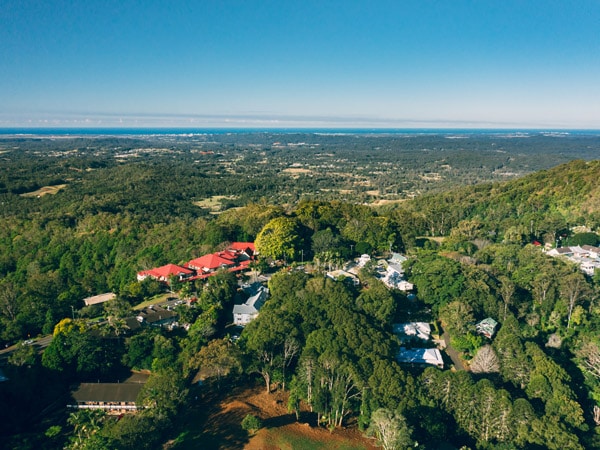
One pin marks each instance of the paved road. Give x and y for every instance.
(39, 344)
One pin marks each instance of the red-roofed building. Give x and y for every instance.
(236, 258)
(212, 262)
(242, 265)
(163, 273)
(244, 247)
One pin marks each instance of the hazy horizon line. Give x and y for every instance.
(264, 121)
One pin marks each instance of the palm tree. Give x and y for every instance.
(85, 423)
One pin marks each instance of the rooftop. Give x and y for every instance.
(107, 392)
(430, 356)
(212, 261)
(421, 330)
(166, 271)
(94, 300)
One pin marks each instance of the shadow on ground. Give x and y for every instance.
(207, 425)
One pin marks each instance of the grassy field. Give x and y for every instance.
(51, 190)
(153, 301)
(214, 203)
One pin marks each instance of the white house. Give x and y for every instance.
(419, 330)
(394, 275)
(248, 311)
(594, 252)
(589, 266)
(586, 257)
(421, 357)
(363, 260)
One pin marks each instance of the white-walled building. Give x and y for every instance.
(421, 357)
(419, 330)
(245, 313)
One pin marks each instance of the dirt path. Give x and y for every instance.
(452, 353)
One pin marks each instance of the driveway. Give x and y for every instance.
(453, 354)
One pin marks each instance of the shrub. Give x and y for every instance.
(251, 423)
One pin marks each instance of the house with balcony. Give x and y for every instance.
(113, 398)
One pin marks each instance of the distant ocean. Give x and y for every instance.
(326, 131)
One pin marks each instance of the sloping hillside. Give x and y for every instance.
(571, 188)
(542, 202)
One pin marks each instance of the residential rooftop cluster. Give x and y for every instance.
(587, 257)
(389, 271)
(413, 336)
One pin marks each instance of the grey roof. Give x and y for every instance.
(253, 304)
(395, 266)
(132, 323)
(157, 314)
(421, 356)
(107, 392)
(244, 309)
(420, 330)
(258, 299)
(252, 289)
(564, 250)
(397, 258)
(591, 248)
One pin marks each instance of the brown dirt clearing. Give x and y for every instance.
(220, 419)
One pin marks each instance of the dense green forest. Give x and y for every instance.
(80, 216)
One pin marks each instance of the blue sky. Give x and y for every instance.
(402, 63)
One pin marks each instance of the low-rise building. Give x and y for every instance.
(97, 299)
(212, 262)
(594, 252)
(248, 311)
(156, 316)
(421, 357)
(393, 277)
(487, 327)
(164, 273)
(586, 257)
(413, 330)
(364, 259)
(236, 258)
(114, 398)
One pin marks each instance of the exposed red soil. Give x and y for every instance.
(223, 417)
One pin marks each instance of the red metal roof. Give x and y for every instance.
(234, 259)
(167, 271)
(211, 262)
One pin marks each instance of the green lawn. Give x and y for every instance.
(153, 301)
